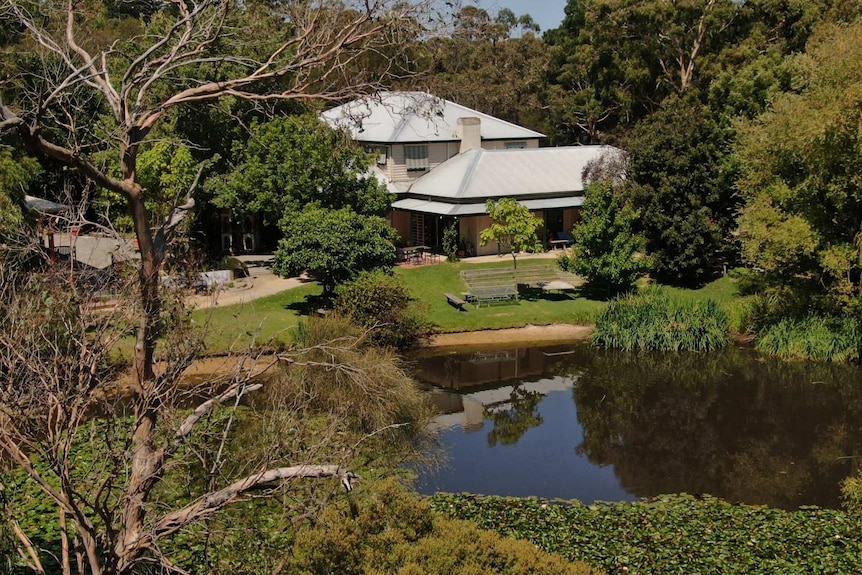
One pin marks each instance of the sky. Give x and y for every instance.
(547, 13)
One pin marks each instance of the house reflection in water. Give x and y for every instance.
(466, 386)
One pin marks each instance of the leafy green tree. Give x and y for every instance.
(802, 175)
(607, 250)
(682, 190)
(513, 226)
(507, 80)
(624, 57)
(16, 172)
(289, 163)
(334, 246)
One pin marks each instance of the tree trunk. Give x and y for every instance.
(146, 457)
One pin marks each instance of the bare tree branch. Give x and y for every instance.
(212, 502)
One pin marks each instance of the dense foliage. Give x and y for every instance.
(381, 304)
(387, 529)
(334, 245)
(675, 534)
(606, 250)
(813, 337)
(802, 176)
(16, 172)
(685, 201)
(654, 320)
(292, 162)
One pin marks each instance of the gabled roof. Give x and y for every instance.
(533, 173)
(404, 117)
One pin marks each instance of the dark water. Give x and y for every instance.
(576, 422)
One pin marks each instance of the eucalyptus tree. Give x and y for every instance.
(79, 95)
(801, 176)
(623, 57)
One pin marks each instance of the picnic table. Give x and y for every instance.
(491, 294)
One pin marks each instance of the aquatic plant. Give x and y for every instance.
(653, 320)
(674, 534)
(814, 337)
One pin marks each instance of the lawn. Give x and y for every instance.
(429, 283)
(266, 320)
(271, 318)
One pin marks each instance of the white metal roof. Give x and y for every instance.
(403, 117)
(446, 209)
(32, 203)
(481, 174)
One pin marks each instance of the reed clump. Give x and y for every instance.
(818, 338)
(654, 320)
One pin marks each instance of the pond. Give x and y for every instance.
(576, 422)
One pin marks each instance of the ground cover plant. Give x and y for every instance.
(674, 534)
(656, 320)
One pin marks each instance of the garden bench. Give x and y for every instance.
(455, 300)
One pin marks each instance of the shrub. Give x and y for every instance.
(851, 494)
(381, 304)
(814, 337)
(652, 320)
(369, 391)
(450, 243)
(387, 529)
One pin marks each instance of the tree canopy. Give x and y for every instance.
(802, 173)
(513, 227)
(683, 191)
(334, 245)
(296, 161)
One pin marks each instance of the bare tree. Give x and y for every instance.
(312, 49)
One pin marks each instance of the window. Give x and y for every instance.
(380, 152)
(417, 158)
(516, 145)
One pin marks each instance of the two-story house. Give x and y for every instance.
(444, 160)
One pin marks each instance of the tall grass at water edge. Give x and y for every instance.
(813, 338)
(654, 320)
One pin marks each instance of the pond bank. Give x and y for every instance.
(528, 334)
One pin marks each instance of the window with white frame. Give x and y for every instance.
(417, 158)
(516, 145)
(381, 154)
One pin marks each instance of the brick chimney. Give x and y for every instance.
(470, 132)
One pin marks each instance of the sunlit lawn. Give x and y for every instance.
(270, 319)
(266, 320)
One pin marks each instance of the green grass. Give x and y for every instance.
(429, 283)
(813, 338)
(271, 318)
(265, 320)
(656, 319)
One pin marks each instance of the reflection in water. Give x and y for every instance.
(512, 420)
(729, 423)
